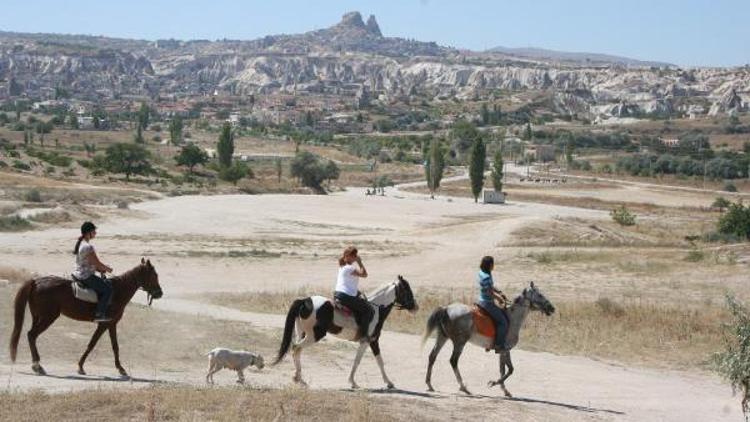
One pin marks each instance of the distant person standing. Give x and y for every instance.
(346, 293)
(87, 263)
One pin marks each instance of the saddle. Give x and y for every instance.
(343, 309)
(483, 321)
(81, 292)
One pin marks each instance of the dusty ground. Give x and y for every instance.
(205, 245)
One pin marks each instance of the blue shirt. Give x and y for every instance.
(485, 283)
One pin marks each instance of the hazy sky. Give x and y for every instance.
(685, 32)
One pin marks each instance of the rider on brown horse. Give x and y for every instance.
(87, 263)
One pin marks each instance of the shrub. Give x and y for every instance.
(14, 223)
(721, 203)
(20, 165)
(695, 255)
(736, 221)
(733, 363)
(730, 187)
(235, 172)
(33, 196)
(311, 171)
(623, 216)
(610, 307)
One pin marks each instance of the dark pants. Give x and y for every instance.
(501, 321)
(362, 310)
(103, 291)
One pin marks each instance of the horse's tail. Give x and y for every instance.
(22, 298)
(437, 320)
(297, 309)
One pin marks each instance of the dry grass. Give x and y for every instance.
(629, 330)
(198, 404)
(14, 275)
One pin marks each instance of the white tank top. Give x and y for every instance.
(347, 281)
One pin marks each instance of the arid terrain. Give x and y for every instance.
(639, 310)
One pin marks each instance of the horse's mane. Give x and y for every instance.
(380, 290)
(129, 274)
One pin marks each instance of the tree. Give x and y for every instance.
(528, 133)
(434, 165)
(191, 155)
(144, 115)
(138, 137)
(279, 169)
(463, 135)
(73, 122)
(733, 362)
(485, 113)
(225, 147)
(175, 130)
(477, 163)
(128, 159)
(721, 203)
(236, 171)
(309, 119)
(497, 171)
(736, 221)
(309, 170)
(332, 171)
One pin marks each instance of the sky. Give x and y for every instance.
(683, 32)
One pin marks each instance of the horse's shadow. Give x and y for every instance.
(396, 391)
(100, 378)
(576, 407)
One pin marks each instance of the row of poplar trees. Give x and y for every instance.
(434, 165)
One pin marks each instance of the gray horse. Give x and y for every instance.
(455, 322)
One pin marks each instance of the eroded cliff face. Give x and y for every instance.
(348, 56)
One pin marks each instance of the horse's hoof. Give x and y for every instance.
(355, 386)
(508, 395)
(430, 389)
(465, 390)
(390, 386)
(81, 371)
(37, 368)
(123, 373)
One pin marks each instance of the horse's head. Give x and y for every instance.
(404, 296)
(150, 280)
(537, 301)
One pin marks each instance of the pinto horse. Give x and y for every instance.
(461, 325)
(48, 297)
(316, 315)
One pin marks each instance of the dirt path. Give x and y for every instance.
(553, 387)
(434, 243)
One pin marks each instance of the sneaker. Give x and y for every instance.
(102, 318)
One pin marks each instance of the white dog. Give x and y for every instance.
(220, 358)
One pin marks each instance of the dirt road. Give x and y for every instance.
(283, 242)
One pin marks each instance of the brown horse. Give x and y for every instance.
(48, 297)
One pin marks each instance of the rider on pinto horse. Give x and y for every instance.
(347, 289)
(87, 263)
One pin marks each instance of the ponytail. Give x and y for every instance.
(78, 245)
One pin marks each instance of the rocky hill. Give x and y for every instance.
(353, 55)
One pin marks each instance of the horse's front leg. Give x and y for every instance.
(375, 346)
(505, 362)
(116, 349)
(95, 338)
(357, 359)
